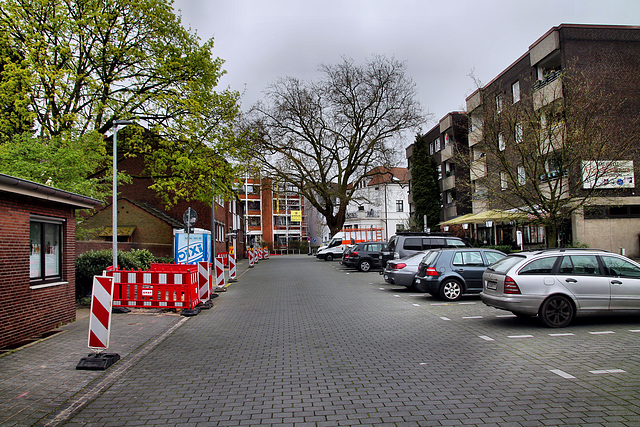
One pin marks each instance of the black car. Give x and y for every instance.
(449, 273)
(364, 256)
(405, 244)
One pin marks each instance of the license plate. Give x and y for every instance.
(492, 285)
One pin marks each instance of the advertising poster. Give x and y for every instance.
(198, 248)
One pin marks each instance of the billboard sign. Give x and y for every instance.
(197, 250)
(605, 174)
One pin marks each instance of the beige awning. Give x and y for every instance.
(496, 215)
(463, 219)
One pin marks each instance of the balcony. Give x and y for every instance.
(548, 90)
(478, 169)
(446, 153)
(475, 136)
(448, 183)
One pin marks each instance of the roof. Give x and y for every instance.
(13, 185)
(384, 175)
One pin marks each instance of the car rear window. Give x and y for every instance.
(430, 257)
(413, 243)
(503, 265)
(539, 266)
(454, 243)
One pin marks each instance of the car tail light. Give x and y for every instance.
(398, 266)
(354, 253)
(510, 286)
(431, 271)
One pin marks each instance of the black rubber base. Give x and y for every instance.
(97, 361)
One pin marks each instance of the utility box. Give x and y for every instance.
(193, 247)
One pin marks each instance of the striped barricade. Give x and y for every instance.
(155, 289)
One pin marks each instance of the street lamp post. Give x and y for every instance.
(114, 203)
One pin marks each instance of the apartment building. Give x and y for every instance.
(546, 83)
(381, 201)
(275, 214)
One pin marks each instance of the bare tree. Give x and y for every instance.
(553, 151)
(324, 136)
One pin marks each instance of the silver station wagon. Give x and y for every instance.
(559, 284)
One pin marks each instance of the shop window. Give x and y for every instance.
(45, 261)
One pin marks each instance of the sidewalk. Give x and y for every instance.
(39, 383)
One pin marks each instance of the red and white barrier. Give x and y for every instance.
(232, 267)
(100, 319)
(219, 272)
(251, 258)
(169, 286)
(203, 281)
(266, 252)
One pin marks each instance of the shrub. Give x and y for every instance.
(93, 263)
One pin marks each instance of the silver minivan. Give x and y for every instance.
(559, 284)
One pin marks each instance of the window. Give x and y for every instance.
(468, 258)
(493, 257)
(522, 177)
(399, 206)
(517, 131)
(618, 267)
(413, 244)
(501, 143)
(515, 91)
(539, 266)
(46, 249)
(503, 181)
(580, 265)
(498, 103)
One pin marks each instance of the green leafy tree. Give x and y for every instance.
(61, 161)
(15, 81)
(324, 137)
(425, 191)
(94, 61)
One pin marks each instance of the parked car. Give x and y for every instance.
(558, 285)
(450, 273)
(405, 244)
(402, 272)
(364, 256)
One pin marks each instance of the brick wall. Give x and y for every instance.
(26, 312)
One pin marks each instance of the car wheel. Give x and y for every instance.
(328, 257)
(451, 290)
(557, 311)
(364, 265)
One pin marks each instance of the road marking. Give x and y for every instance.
(397, 296)
(565, 334)
(486, 338)
(602, 333)
(467, 303)
(608, 371)
(506, 315)
(634, 330)
(563, 374)
(439, 303)
(416, 305)
(444, 318)
(520, 336)
(472, 317)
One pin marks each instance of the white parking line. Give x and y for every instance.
(602, 333)
(506, 315)
(439, 303)
(520, 336)
(444, 318)
(563, 374)
(565, 334)
(608, 371)
(486, 338)
(634, 330)
(416, 305)
(467, 303)
(397, 296)
(472, 317)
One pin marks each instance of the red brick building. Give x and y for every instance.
(145, 223)
(37, 258)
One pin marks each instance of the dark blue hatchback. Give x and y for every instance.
(450, 273)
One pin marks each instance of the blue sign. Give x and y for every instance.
(198, 249)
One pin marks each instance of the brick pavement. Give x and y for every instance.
(303, 342)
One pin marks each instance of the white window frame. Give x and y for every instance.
(515, 91)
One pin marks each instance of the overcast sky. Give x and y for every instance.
(442, 42)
